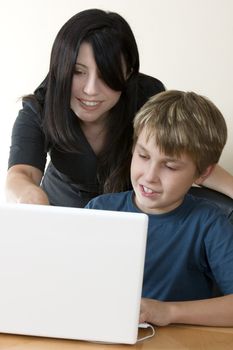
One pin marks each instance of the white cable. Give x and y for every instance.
(146, 325)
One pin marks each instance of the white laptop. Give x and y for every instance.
(71, 273)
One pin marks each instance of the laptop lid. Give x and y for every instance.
(71, 273)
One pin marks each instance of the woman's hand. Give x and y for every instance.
(23, 185)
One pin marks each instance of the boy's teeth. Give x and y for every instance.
(147, 190)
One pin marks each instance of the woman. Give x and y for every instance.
(81, 115)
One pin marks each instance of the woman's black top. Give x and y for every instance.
(70, 179)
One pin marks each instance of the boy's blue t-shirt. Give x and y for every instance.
(189, 252)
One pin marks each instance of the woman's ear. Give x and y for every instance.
(205, 174)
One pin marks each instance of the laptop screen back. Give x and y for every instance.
(71, 273)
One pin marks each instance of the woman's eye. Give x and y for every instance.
(100, 77)
(79, 72)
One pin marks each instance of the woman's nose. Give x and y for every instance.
(90, 86)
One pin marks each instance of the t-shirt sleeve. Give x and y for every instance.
(219, 250)
(96, 203)
(27, 139)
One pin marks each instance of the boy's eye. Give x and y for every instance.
(144, 156)
(170, 167)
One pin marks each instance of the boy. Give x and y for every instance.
(188, 276)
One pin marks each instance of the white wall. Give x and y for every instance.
(185, 43)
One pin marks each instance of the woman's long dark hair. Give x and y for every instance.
(112, 40)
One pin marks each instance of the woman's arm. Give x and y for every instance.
(220, 180)
(23, 185)
(208, 312)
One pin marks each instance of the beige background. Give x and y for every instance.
(188, 44)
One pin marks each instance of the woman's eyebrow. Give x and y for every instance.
(80, 64)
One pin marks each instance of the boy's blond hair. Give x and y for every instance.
(184, 122)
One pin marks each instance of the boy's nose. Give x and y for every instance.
(152, 174)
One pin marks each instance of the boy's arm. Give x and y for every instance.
(208, 312)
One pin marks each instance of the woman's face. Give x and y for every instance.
(91, 98)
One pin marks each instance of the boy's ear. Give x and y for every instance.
(205, 174)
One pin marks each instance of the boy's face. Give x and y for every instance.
(159, 181)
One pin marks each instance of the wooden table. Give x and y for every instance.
(166, 338)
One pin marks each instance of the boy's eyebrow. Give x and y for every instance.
(140, 146)
(167, 158)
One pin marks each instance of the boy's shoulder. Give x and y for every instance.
(121, 201)
(205, 209)
(215, 198)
